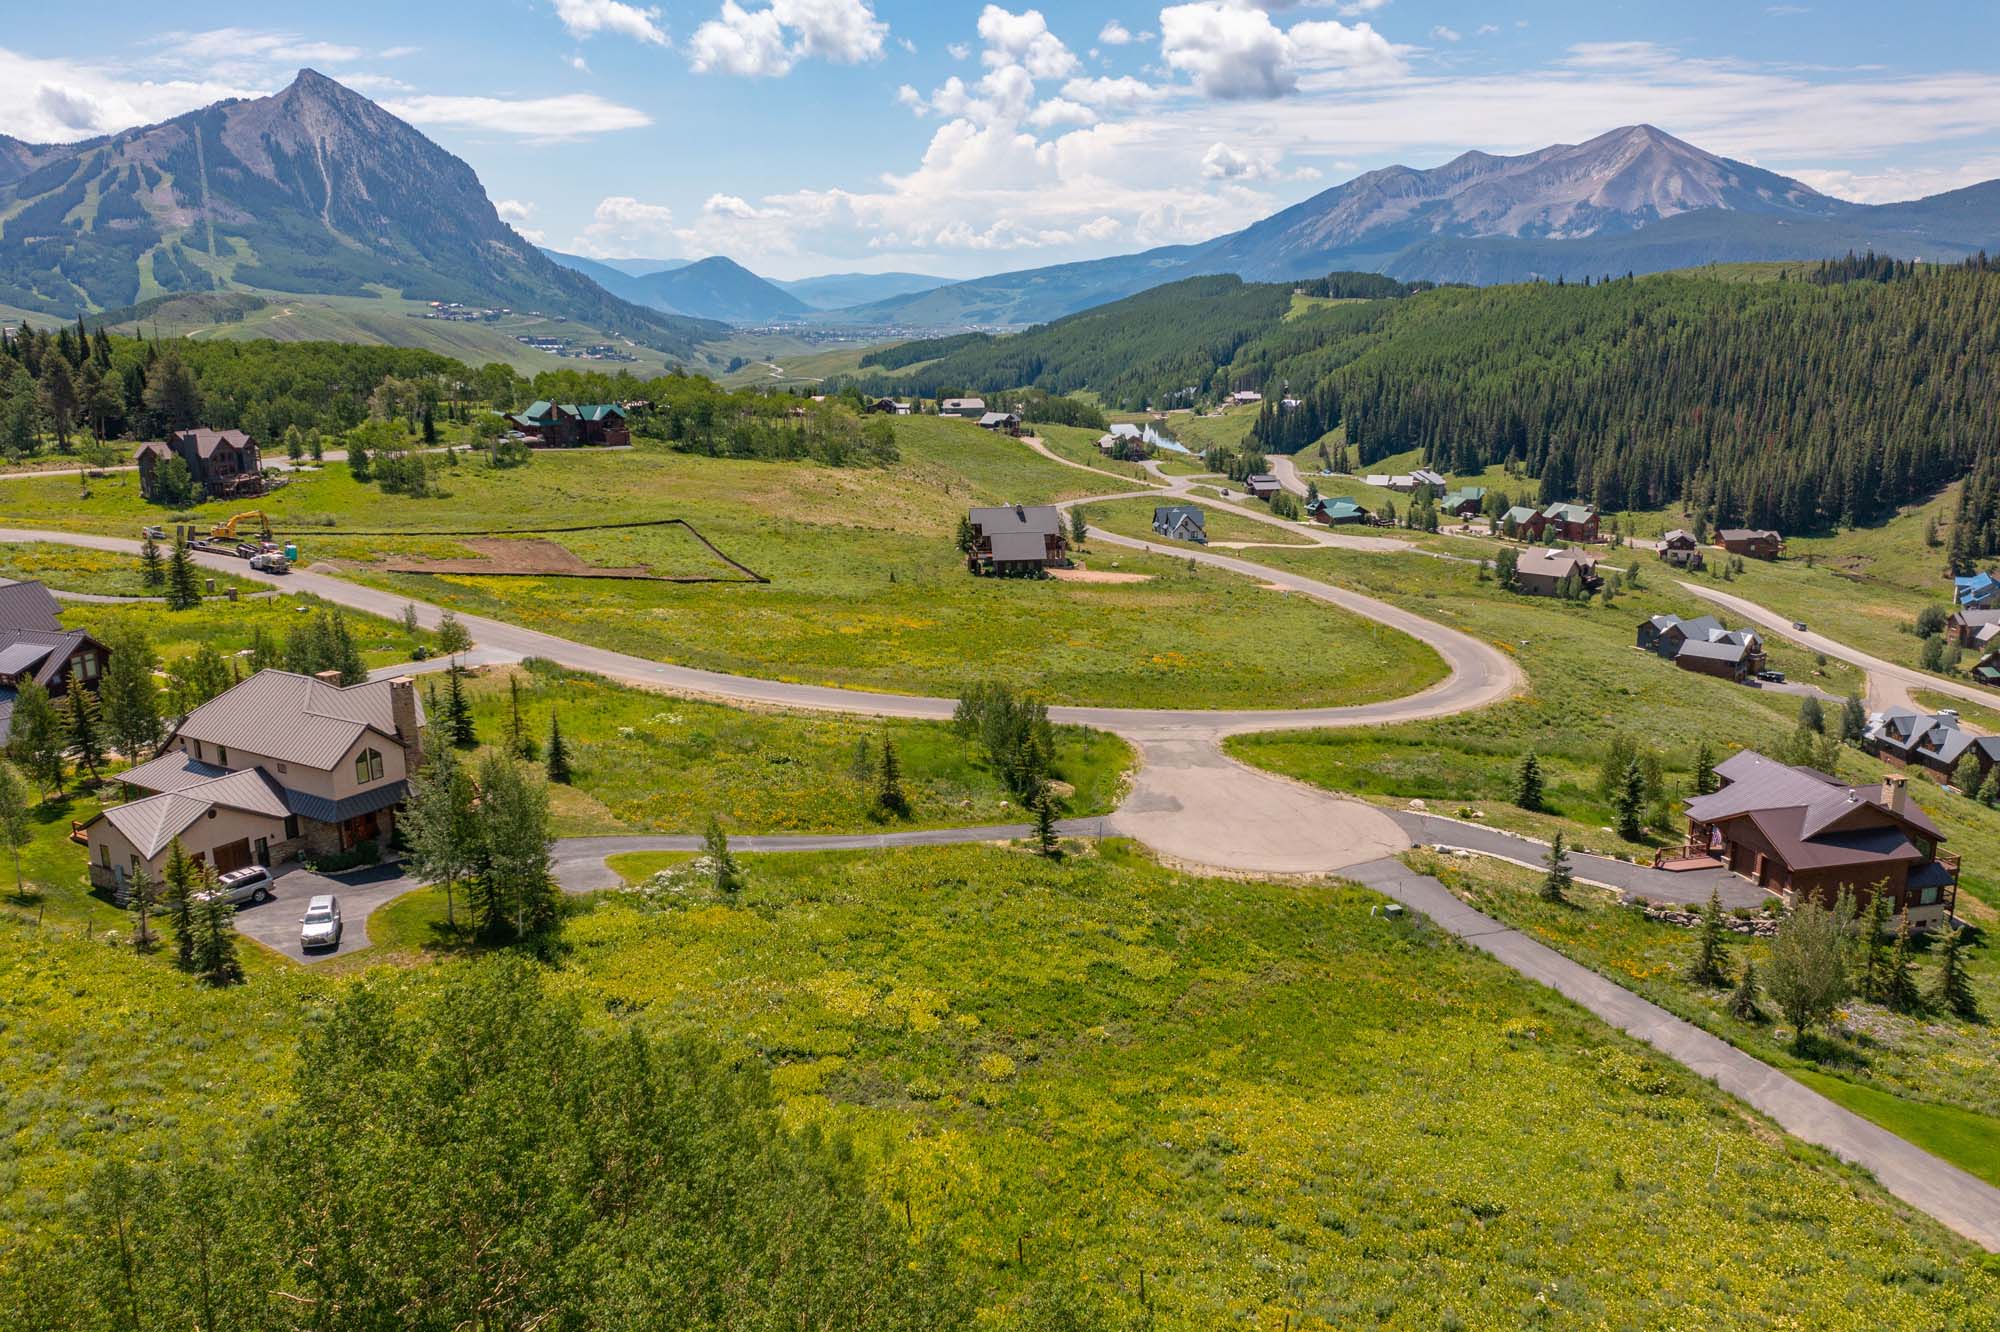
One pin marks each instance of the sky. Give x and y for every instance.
(955, 138)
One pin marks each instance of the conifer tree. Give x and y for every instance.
(1743, 999)
(1812, 717)
(1046, 841)
(1708, 967)
(1079, 527)
(37, 741)
(83, 730)
(16, 826)
(215, 960)
(728, 878)
(1951, 988)
(130, 697)
(458, 710)
(181, 877)
(1899, 991)
(558, 759)
(1704, 769)
(183, 588)
(518, 743)
(152, 568)
(142, 894)
(1556, 882)
(1528, 782)
(1629, 802)
(889, 797)
(1875, 946)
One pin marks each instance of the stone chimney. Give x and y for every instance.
(1895, 791)
(328, 677)
(409, 734)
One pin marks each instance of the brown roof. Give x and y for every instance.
(29, 605)
(1812, 820)
(1043, 519)
(152, 824)
(294, 718)
(1555, 563)
(206, 442)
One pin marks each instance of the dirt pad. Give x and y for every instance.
(520, 556)
(1098, 576)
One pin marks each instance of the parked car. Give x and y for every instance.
(270, 562)
(252, 883)
(1771, 677)
(320, 926)
(1799, 625)
(155, 532)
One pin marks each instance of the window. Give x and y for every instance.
(197, 751)
(222, 756)
(368, 766)
(90, 667)
(104, 855)
(291, 826)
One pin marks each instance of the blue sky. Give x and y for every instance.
(808, 136)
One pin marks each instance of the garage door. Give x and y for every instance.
(234, 856)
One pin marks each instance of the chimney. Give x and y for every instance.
(1895, 791)
(328, 677)
(409, 734)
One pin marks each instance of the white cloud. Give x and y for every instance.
(398, 52)
(1486, 30)
(960, 50)
(1061, 111)
(1115, 33)
(1119, 94)
(1444, 34)
(60, 101)
(233, 45)
(513, 210)
(588, 18)
(538, 119)
(769, 42)
(1024, 39)
(1221, 162)
(1235, 53)
(621, 225)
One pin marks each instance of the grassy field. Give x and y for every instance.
(1135, 518)
(1926, 1077)
(229, 626)
(74, 569)
(645, 762)
(867, 589)
(1080, 446)
(1229, 430)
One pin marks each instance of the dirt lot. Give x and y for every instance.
(1098, 576)
(510, 555)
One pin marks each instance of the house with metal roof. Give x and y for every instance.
(280, 767)
(35, 646)
(567, 424)
(1181, 522)
(970, 408)
(1979, 591)
(1521, 521)
(1931, 740)
(1017, 540)
(1336, 512)
(1973, 628)
(1007, 423)
(1568, 522)
(1807, 836)
(1261, 486)
(1553, 573)
(1466, 501)
(1759, 543)
(1703, 645)
(1680, 549)
(223, 464)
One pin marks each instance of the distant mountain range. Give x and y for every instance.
(720, 288)
(1635, 199)
(315, 190)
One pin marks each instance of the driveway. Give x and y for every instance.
(275, 923)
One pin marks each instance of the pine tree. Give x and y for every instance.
(519, 743)
(1629, 802)
(1704, 769)
(183, 588)
(1967, 776)
(1812, 717)
(130, 697)
(83, 730)
(1707, 967)
(454, 639)
(16, 825)
(215, 960)
(968, 536)
(1875, 946)
(1046, 841)
(458, 710)
(140, 897)
(1853, 720)
(558, 760)
(1079, 527)
(1743, 999)
(152, 568)
(181, 877)
(1556, 883)
(1528, 782)
(889, 797)
(37, 741)
(728, 878)
(1899, 991)
(1951, 989)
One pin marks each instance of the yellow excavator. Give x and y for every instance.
(227, 531)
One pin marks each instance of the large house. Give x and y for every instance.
(1704, 645)
(35, 646)
(1017, 540)
(1261, 486)
(970, 408)
(1556, 522)
(1007, 423)
(1465, 502)
(279, 767)
(1545, 573)
(1680, 549)
(1932, 740)
(567, 424)
(1181, 522)
(1757, 542)
(1973, 628)
(1336, 512)
(1807, 836)
(1980, 591)
(223, 464)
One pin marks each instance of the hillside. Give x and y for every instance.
(313, 191)
(1632, 200)
(839, 291)
(717, 288)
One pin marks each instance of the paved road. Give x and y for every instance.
(1968, 1205)
(1192, 804)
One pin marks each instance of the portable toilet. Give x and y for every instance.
(292, 552)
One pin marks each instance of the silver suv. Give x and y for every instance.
(320, 927)
(252, 883)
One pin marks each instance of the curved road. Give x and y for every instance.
(1192, 804)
